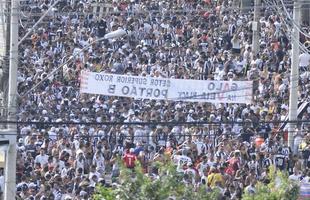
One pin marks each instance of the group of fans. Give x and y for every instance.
(67, 149)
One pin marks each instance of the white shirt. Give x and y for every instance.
(42, 159)
(304, 60)
(250, 189)
(94, 173)
(99, 162)
(200, 147)
(236, 44)
(294, 177)
(2, 183)
(304, 180)
(25, 130)
(76, 143)
(202, 167)
(191, 172)
(181, 160)
(297, 141)
(219, 74)
(80, 164)
(60, 163)
(64, 172)
(139, 135)
(239, 65)
(52, 135)
(277, 25)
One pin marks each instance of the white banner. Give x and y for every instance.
(140, 87)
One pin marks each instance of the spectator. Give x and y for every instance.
(199, 40)
(130, 159)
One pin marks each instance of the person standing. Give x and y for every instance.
(102, 25)
(130, 159)
(42, 158)
(279, 160)
(304, 61)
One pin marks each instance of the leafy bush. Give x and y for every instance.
(279, 188)
(139, 186)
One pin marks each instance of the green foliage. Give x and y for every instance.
(279, 188)
(104, 193)
(136, 185)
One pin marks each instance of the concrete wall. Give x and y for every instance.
(2, 54)
(4, 38)
(2, 30)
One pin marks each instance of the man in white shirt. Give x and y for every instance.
(304, 61)
(42, 158)
(99, 162)
(181, 160)
(248, 55)
(201, 147)
(65, 170)
(203, 165)
(93, 172)
(251, 188)
(191, 172)
(219, 72)
(297, 140)
(295, 176)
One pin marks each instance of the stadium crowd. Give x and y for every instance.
(184, 39)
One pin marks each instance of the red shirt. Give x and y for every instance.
(233, 166)
(130, 160)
